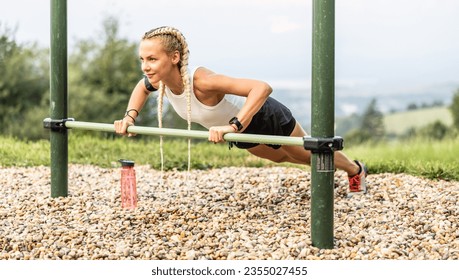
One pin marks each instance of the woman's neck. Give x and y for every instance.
(175, 83)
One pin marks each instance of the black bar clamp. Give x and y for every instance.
(56, 125)
(323, 145)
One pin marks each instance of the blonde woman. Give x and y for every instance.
(220, 103)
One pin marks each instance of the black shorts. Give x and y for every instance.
(272, 119)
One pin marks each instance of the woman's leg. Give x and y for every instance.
(297, 154)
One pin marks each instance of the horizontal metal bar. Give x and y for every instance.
(233, 137)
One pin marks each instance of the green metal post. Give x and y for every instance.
(58, 102)
(323, 115)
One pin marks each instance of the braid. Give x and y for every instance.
(162, 90)
(173, 40)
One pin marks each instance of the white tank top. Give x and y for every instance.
(202, 114)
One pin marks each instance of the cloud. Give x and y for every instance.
(282, 24)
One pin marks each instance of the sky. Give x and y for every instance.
(380, 45)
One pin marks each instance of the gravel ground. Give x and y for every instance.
(228, 213)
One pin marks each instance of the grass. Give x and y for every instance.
(430, 159)
(87, 149)
(436, 160)
(106, 152)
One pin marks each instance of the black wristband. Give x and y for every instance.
(127, 114)
(235, 121)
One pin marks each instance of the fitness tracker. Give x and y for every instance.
(235, 121)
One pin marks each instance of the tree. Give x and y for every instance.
(455, 109)
(371, 126)
(24, 84)
(102, 74)
(373, 121)
(434, 131)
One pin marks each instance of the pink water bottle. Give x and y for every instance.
(128, 184)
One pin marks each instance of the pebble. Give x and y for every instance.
(227, 213)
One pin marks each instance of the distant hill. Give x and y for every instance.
(350, 100)
(399, 122)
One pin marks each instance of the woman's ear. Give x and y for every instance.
(175, 57)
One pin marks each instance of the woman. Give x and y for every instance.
(220, 103)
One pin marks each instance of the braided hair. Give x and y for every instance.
(173, 40)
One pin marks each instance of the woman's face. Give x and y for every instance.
(157, 64)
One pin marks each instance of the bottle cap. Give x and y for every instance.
(125, 162)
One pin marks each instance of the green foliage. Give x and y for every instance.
(455, 109)
(24, 82)
(431, 122)
(102, 74)
(347, 124)
(371, 127)
(434, 131)
(372, 122)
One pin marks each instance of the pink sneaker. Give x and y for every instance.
(357, 182)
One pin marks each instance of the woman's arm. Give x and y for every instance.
(209, 84)
(136, 102)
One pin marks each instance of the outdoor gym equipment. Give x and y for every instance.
(322, 143)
